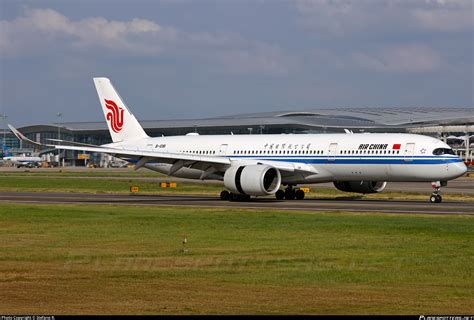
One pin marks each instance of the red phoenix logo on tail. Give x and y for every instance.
(115, 115)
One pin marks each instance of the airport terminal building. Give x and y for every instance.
(453, 125)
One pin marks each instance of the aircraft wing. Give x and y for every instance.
(185, 160)
(180, 160)
(73, 143)
(164, 157)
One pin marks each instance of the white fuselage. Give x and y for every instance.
(334, 157)
(22, 160)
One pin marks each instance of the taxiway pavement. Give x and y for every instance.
(341, 204)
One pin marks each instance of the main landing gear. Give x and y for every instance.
(226, 195)
(435, 196)
(290, 194)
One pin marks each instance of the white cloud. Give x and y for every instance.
(335, 17)
(446, 20)
(343, 17)
(46, 30)
(403, 58)
(39, 28)
(266, 58)
(389, 35)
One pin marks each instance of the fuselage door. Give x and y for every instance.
(223, 149)
(409, 150)
(332, 151)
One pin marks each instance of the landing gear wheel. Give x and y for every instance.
(225, 195)
(289, 194)
(299, 194)
(435, 196)
(238, 197)
(280, 194)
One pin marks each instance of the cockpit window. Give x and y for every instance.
(441, 151)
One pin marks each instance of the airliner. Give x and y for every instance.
(275, 164)
(23, 161)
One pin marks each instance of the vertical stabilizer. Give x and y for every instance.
(121, 122)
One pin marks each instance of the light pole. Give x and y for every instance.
(59, 115)
(4, 117)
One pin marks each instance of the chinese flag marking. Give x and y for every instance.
(397, 146)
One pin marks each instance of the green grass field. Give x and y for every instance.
(109, 259)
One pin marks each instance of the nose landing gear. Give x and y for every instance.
(436, 196)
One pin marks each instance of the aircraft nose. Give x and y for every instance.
(458, 168)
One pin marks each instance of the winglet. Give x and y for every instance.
(22, 137)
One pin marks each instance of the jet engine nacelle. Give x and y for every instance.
(360, 186)
(255, 180)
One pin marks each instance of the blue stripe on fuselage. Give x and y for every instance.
(350, 160)
(361, 160)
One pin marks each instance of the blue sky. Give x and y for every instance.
(195, 59)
